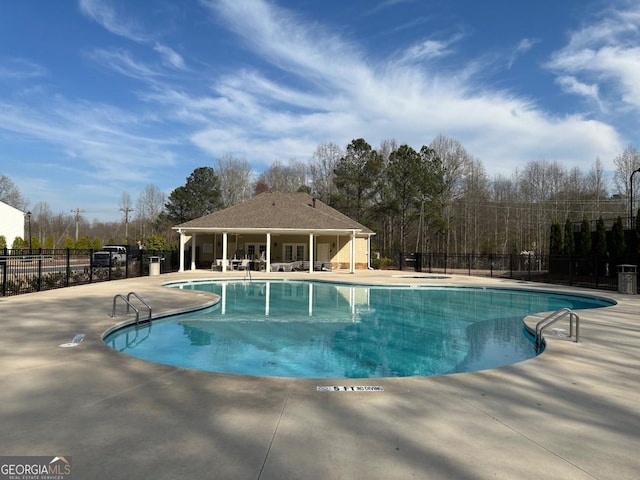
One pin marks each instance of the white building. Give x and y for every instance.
(11, 223)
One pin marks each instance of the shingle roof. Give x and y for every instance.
(274, 210)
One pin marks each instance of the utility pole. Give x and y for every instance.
(77, 211)
(126, 211)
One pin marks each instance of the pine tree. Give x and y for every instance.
(601, 239)
(618, 245)
(584, 246)
(569, 240)
(555, 239)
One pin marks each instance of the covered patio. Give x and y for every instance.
(275, 232)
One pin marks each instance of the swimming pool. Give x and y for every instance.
(329, 330)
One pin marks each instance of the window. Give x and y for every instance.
(255, 250)
(294, 252)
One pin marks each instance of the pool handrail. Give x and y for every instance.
(553, 318)
(130, 305)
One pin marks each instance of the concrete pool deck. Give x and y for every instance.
(571, 413)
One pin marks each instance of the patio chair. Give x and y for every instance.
(218, 264)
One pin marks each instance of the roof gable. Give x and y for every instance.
(275, 210)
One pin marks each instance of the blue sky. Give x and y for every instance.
(101, 97)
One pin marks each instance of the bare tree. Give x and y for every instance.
(453, 158)
(149, 206)
(285, 178)
(595, 188)
(323, 163)
(625, 163)
(235, 179)
(10, 194)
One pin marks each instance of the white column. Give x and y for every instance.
(223, 308)
(182, 240)
(352, 261)
(224, 251)
(193, 251)
(311, 253)
(267, 267)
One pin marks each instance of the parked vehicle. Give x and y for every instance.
(110, 255)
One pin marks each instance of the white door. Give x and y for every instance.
(323, 252)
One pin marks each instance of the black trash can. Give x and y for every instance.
(417, 262)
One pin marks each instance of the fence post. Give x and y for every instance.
(68, 279)
(4, 273)
(91, 265)
(469, 263)
(511, 266)
(39, 283)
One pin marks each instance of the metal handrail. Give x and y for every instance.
(130, 305)
(553, 318)
(142, 300)
(113, 311)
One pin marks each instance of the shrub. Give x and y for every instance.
(382, 263)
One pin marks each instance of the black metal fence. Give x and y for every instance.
(591, 272)
(26, 271)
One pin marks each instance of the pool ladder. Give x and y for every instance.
(131, 306)
(555, 317)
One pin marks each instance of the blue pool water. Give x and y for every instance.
(326, 330)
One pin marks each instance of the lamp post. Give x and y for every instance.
(29, 222)
(631, 197)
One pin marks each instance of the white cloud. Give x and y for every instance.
(112, 142)
(387, 4)
(521, 48)
(102, 13)
(571, 84)
(346, 94)
(605, 54)
(122, 62)
(12, 68)
(170, 57)
(428, 50)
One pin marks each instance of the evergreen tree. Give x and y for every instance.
(84, 243)
(356, 176)
(618, 245)
(431, 186)
(601, 238)
(198, 197)
(555, 239)
(68, 242)
(49, 242)
(19, 243)
(156, 242)
(401, 174)
(569, 240)
(584, 246)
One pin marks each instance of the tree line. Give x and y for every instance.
(437, 199)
